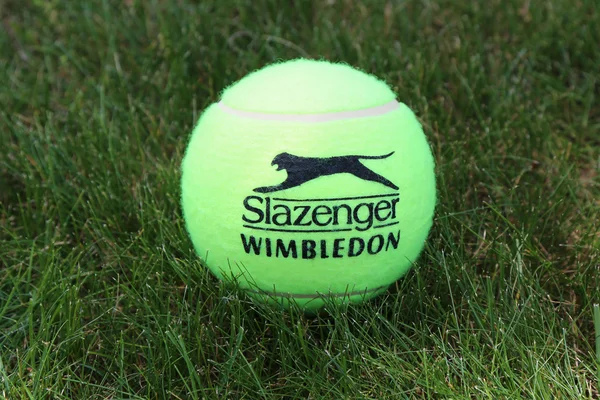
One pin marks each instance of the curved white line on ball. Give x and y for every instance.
(314, 118)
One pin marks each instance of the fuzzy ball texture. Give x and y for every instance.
(308, 181)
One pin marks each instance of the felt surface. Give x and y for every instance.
(307, 86)
(229, 157)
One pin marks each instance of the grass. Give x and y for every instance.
(102, 296)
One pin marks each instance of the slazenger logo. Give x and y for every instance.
(303, 169)
(307, 218)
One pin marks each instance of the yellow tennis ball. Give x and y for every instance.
(309, 179)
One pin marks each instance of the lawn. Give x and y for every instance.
(103, 297)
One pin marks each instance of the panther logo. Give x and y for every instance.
(303, 169)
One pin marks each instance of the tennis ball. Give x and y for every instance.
(308, 180)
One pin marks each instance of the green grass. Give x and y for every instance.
(102, 296)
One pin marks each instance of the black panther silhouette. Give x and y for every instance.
(303, 169)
